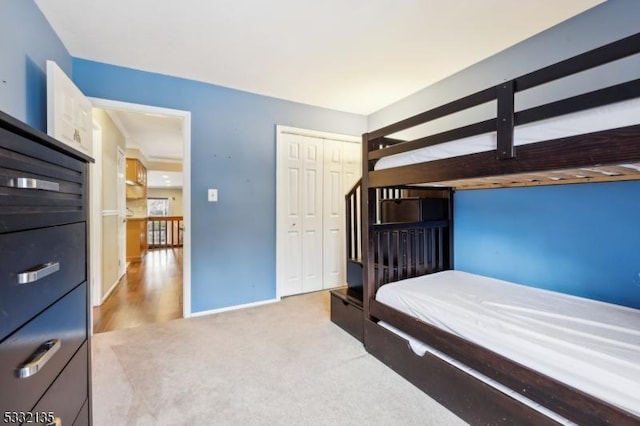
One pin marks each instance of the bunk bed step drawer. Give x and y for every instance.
(346, 312)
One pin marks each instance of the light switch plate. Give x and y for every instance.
(213, 195)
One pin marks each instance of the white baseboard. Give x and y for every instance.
(108, 293)
(96, 284)
(236, 307)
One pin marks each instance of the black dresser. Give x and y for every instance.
(44, 301)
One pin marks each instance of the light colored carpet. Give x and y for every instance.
(283, 363)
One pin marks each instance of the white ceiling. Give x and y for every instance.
(162, 179)
(348, 55)
(158, 137)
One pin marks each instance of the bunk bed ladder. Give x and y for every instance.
(401, 250)
(354, 236)
(353, 202)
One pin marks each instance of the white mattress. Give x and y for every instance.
(620, 114)
(590, 345)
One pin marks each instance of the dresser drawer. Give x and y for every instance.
(38, 186)
(68, 393)
(22, 253)
(83, 416)
(64, 323)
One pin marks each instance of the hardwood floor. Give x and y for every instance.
(150, 292)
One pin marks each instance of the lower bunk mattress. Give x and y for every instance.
(589, 345)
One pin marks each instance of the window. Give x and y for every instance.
(158, 206)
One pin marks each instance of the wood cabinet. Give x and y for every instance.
(44, 329)
(136, 179)
(136, 172)
(136, 239)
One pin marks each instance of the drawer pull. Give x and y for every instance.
(57, 421)
(38, 272)
(30, 183)
(39, 359)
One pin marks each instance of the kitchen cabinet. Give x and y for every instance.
(136, 172)
(136, 239)
(136, 179)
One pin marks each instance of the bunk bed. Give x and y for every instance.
(588, 137)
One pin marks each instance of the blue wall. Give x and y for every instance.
(233, 149)
(576, 239)
(579, 239)
(26, 42)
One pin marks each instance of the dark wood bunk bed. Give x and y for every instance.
(392, 251)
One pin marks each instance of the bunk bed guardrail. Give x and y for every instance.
(405, 250)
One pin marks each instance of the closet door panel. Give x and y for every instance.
(333, 207)
(312, 214)
(289, 203)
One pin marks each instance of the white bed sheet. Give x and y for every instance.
(619, 114)
(590, 345)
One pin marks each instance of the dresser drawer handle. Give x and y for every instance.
(38, 272)
(57, 421)
(39, 359)
(30, 183)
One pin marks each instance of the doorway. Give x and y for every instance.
(172, 263)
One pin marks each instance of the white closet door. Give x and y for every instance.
(312, 210)
(342, 170)
(351, 165)
(300, 204)
(290, 247)
(334, 257)
(352, 170)
(313, 175)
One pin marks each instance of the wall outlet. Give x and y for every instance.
(213, 195)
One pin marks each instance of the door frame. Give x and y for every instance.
(280, 207)
(186, 181)
(95, 216)
(122, 214)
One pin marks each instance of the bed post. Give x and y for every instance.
(451, 224)
(505, 116)
(367, 212)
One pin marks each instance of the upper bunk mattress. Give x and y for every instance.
(590, 345)
(612, 116)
